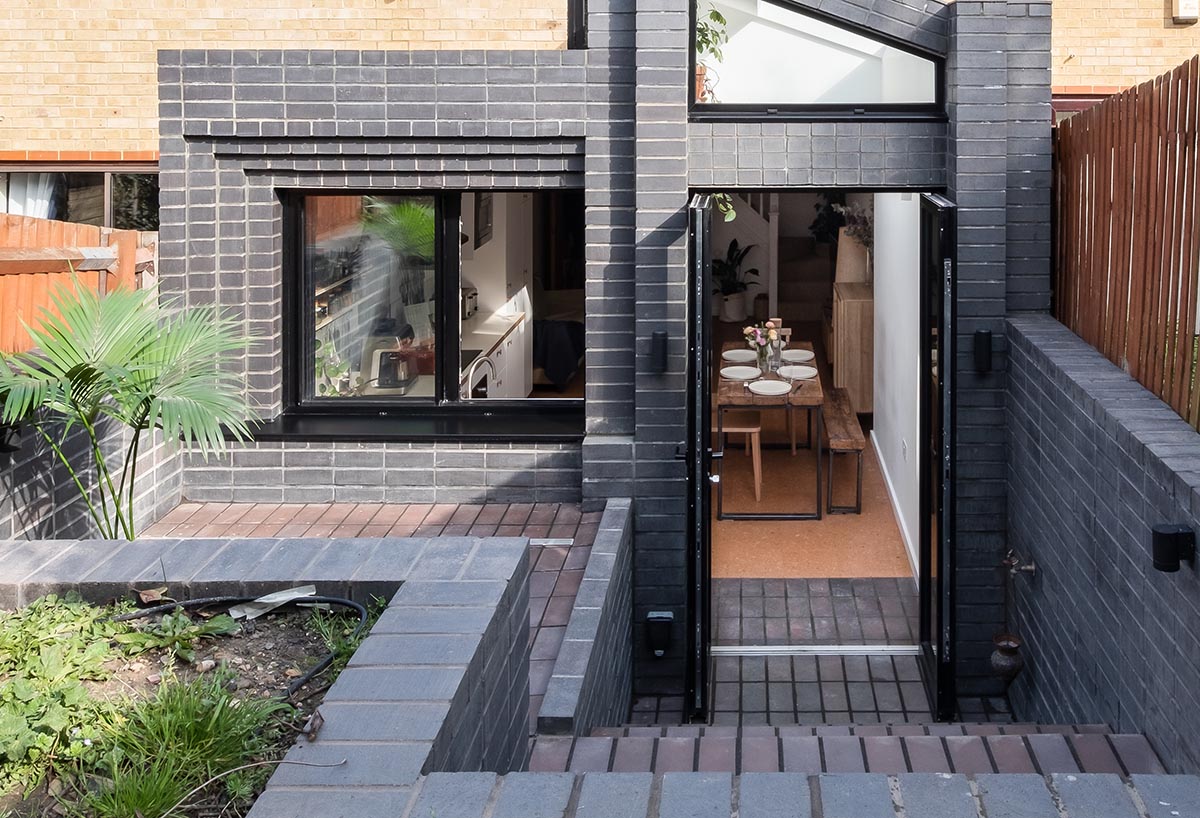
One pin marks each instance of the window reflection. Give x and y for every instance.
(370, 264)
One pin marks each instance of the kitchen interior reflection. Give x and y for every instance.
(373, 268)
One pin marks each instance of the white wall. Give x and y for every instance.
(747, 228)
(502, 268)
(897, 354)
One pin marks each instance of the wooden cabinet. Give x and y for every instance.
(853, 351)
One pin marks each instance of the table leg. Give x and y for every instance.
(820, 410)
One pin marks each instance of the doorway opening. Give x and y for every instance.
(816, 551)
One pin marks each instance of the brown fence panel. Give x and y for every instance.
(1127, 274)
(25, 292)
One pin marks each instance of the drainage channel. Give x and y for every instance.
(815, 650)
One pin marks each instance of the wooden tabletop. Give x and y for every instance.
(805, 394)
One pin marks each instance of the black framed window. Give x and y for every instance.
(577, 30)
(434, 304)
(124, 198)
(777, 59)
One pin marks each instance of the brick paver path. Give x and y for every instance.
(875, 748)
(870, 611)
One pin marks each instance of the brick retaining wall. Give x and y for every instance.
(593, 675)
(1096, 460)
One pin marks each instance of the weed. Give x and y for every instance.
(336, 630)
(47, 650)
(177, 634)
(204, 731)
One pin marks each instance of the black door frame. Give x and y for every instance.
(936, 591)
(699, 455)
(936, 583)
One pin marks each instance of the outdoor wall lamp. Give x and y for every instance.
(658, 632)
(658, 351)
(983, 350)
(1170, 544)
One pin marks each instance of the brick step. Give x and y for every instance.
(958, 728)
(750, 750)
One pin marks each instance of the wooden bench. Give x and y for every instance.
(845, 436)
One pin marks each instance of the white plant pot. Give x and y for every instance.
(733, 308)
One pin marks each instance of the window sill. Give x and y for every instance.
(502, 425)
(706, 113)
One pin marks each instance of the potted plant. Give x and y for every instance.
(122, 359)
(710, 38)
(730, 281)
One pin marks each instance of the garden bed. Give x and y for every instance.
(128, 718)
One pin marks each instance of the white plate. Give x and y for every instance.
(772, 388)
(797, 373)
(739, 355)
(797, 356)
(741, 373)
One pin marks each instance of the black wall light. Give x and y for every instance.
(658, 632)
(983, 350)
(658, 351)
(1171, 544)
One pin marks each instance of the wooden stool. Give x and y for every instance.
(749, 423)
(845, 437)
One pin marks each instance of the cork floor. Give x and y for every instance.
(561, 540)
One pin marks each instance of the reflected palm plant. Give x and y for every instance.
(407, 226)
(123, 358)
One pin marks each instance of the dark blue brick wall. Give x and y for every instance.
(1095, 461)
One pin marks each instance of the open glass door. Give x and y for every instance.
(699, 452)
(937, 452)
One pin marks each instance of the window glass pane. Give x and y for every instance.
(370, 271)
(85, 198)
(521, 296)
(773, 55)
(37, 195)
(135, 201)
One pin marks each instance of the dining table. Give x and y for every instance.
(805, 394)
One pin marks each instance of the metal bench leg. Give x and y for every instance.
(857, 507)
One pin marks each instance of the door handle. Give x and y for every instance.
(714, 478)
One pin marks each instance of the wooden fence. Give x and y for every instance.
(1128, 232)
(39, 255)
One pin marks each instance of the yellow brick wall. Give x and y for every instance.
(1103, 46)
(80, 75)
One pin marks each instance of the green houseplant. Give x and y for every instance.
(711, 37)
(730, 281)
(122, 358)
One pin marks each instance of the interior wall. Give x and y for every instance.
(748, 228)
(897, 354)
(796, 213)
(484, 267)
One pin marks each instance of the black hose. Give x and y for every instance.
(235, 600)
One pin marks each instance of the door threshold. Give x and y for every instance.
(815, 650)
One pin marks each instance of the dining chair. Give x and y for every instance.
(749, 423)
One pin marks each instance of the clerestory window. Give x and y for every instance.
(768, 57)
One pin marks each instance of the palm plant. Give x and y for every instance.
(124, 358)
(407, 226)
